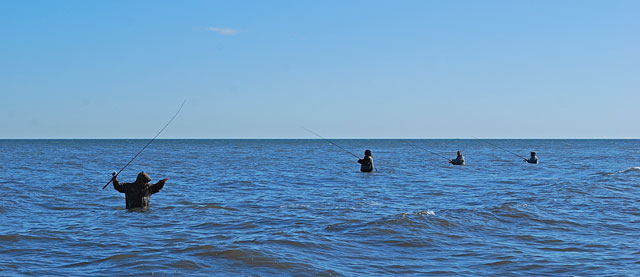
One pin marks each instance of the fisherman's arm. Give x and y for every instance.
(117, 185)
(158, 186)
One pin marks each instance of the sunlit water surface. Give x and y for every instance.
(300, 207)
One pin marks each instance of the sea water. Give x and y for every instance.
(301, 207)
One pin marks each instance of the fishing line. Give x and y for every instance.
(331, 142)
(519, 156)
(145, 147)
(434, 153)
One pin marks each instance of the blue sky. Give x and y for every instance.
(345, 69)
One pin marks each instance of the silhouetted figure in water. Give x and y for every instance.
(459, 159)
(366, 163)
(533, 159)
(139, 193)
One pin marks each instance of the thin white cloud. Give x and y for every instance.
(223, 31)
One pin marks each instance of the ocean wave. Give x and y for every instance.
(631, 169)
(69, 163)
(9, 237)
(319, 214)
(394, 224)
(247, 256)
(118, 257)
(186, 264)
(13, 237)
(565, 249)
(213, 206)
(531, 238)
(427, 212)
(237, 183)
(266, 259)
(501, 262)
(295, 206)
(511, 211)
(31, 169)
(299, 244)
(520, 213)
(58, 208)
(555, 222)
(208, 225)
(184, 202)
(11, 182)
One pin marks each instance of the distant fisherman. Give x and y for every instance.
(533, 159)
(459, 159)
(139, 193)
(366, 163)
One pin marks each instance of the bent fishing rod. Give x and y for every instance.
(496, 146)
(145, 147)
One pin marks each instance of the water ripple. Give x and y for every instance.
(305, 209)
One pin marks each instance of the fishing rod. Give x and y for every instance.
(331, 142)
(519, 156)
(434, 153)
(145, 147)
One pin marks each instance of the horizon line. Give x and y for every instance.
(271, 138)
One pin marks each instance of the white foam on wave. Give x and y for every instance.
(635, 168)
(427, 212)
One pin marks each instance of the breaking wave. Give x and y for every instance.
(632, 169)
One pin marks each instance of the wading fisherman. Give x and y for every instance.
(533, 159)
(138, 193)
(459, 159)
(366, 163)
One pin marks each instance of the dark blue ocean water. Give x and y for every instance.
(300, 207)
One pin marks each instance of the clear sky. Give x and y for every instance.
(345, 69)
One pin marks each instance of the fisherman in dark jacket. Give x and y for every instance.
(139, 193)
(366, 163)
(533, 159)
(459, 159)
